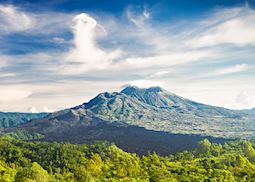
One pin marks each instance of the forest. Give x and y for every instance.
(23, 161)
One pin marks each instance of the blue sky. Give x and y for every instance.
(61, 53)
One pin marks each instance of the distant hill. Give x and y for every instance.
(150, 119)
(248, 111)
(10, 119)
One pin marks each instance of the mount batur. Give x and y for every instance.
(137, 120)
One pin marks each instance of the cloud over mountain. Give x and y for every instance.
(98, 50)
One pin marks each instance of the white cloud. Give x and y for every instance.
(13, 19)
(51, 96)
(244, 100)
(40, 62)
(33, 110)
(234, 69)
(13, 93)
(230, 26)
(138, 17)
(146, 14)
(58, 40)
(149, 48)
(51, 23)
(86, 54)
(145, 83)
(3, 61)
(159, 74)
(167, 60)
(4, 75)
(46, 109)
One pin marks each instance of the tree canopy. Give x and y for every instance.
(22, 161)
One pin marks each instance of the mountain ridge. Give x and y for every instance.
(157, 109)
(248, 111)
(166, 111)
(135, 116)
(11, 119)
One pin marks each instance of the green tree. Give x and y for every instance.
(204, 147)
(34, 173)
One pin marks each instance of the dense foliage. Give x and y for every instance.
(41, 161)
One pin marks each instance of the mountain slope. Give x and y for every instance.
(248, 111)
(10, 119)
(76, 127)
(157, 109)
(148, 118)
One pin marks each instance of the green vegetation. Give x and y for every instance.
(41, 162)
(23, 135)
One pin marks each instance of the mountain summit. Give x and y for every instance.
(155, 109)
(135, 118)
(130, 90)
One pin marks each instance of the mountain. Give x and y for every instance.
(248, 111)
(157, 109)
(150, 119)
(10, 119)
(83, 127)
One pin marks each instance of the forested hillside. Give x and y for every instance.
(44, 162)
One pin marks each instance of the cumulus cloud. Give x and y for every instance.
(12, 19)
(86, 54)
